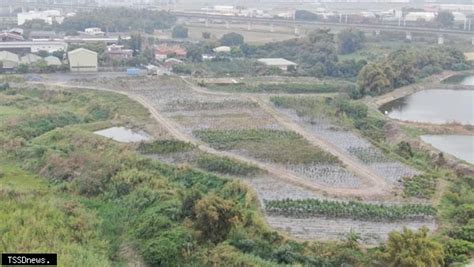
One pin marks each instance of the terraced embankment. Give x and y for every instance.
(183, 111)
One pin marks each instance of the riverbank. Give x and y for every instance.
(432, 82)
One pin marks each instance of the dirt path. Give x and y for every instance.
(374, 187)
(371, 190)
(372, 180)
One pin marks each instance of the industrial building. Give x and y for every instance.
(9, 60)
(82, 60)
(280, 63)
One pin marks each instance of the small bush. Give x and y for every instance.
(421, 186)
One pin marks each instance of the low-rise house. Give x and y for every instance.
(162, 52)
(280, 63)
(170, 62)
(82, 60)
(9, 60)
(52, 61)
(30, 59)
(116, 52)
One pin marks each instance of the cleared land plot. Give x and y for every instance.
(259, 35)
(194, 111)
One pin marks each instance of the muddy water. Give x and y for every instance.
(124, 135)
(460, 146)
(433, 106)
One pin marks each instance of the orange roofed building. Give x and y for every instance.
(162, 52)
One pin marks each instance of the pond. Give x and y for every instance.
(460, 146)
(124, 135)
(460, 79)
(433, 106)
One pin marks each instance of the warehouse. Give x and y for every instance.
(82, 60)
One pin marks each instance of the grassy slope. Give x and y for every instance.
(36, 217)
(104, 204)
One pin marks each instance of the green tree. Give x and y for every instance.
(194, 54)
(43, 53)
(42, 65)
(232, 39)
(135, 43)
(412, 249)
(23, 68)
(349, 41)
(372, 80)
(180, 31)
(215, 217)
(59, 54)
(445, 19)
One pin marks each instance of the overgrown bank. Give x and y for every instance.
(160, 214)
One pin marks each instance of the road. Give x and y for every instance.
(374, 187)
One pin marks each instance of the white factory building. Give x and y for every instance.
(82, 60)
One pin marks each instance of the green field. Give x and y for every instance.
(273, 145)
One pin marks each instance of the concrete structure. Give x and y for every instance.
(94, 31)
(33, 47)
(82, 60)
(414, 16)
(222, 49)
(43, 35)
(280, 63)
(48, 16)
(9, 60)
(29, 59)
(52, 61)
(319, 24)
(116, 52)
(10, 36)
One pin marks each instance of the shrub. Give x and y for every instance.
(215, 217)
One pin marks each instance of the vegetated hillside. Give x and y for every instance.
(455, 215)
(105, 204)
